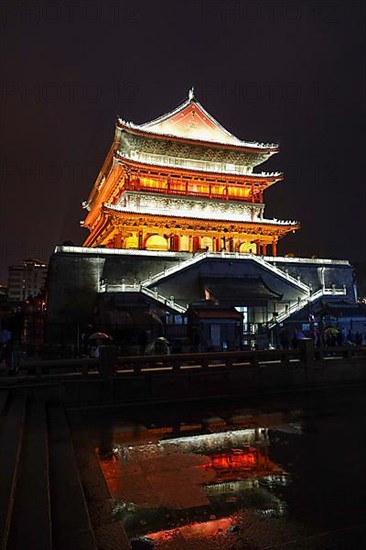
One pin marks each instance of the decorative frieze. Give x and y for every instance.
(169, 205)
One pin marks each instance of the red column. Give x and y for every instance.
(274, 248)
(175, 243)
(196, 243)
(117, 241)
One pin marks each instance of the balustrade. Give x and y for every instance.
(195, 362)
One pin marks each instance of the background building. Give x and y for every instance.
(26, 280)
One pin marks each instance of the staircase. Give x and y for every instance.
(230, 256)
(297, 306)
(42, 502)
(153, 279)
(145, 285)
(167, 302)
(283, 274)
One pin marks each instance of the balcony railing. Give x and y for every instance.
(300, 304)
(186, 192)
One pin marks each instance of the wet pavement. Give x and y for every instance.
(287, 474)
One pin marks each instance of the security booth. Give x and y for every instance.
(213, 327)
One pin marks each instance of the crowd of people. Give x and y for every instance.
(322, 337)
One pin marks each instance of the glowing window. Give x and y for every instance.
(177, 186)
(131, 242)
(153, 183)
(249, 248)
(156, 242)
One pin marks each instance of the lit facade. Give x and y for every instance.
(183, 183)
(179, 246)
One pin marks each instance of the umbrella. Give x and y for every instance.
(100, 336)
(331, 330)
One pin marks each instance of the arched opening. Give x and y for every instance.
(248, 248)
(156, 242)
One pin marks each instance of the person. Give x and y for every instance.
(284, 339)
(314, 334)
(339, 338)
(142, 340)
(358, 339)
(5, 340)
(298, 335)
(8, 357)
(95, 351)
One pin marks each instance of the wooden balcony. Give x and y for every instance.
(239, 193)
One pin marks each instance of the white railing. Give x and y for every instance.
(170, 302)
(281, 273)
(236, 255)
(163, 300)
(174, 269)
(300, 304)
(122, 287)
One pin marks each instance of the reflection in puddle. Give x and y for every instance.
(206, 529)
(192, 486)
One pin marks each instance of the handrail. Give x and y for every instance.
(153, 279)
(174, 269)
(122, 287)
(232, 255)
(297, 306)
(281, 273)
(162, 299)
(196, 361)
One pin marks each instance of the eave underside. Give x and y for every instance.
(113, 223)
(134, 142)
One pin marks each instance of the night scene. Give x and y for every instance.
(182, 275)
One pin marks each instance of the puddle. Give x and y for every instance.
(233, 479)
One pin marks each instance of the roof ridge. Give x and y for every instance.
(208, 127)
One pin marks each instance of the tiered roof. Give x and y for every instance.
(189, 132)
(190, 120)
(173, 164)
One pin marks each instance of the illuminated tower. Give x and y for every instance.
(183, 183)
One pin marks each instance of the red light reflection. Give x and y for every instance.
(111, 471)
(206, 529)
(240, 463)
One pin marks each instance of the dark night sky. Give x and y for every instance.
(287, 72)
